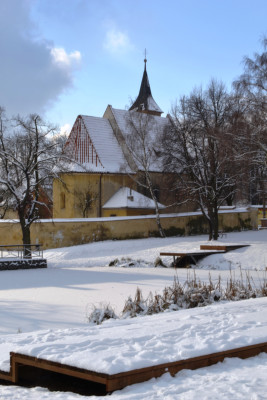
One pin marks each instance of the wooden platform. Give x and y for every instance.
(184, 258)
(32, 371)
(223, 247)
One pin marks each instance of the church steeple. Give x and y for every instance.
(145, 102)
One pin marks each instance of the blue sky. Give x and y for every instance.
(61, 58)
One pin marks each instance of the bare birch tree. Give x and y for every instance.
(140, 139)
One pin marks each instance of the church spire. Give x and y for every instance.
(145, 102)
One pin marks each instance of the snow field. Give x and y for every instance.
(57, 300)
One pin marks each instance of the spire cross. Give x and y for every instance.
(145, 60)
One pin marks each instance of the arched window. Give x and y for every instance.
(62, 200)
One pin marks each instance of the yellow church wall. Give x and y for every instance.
(124, 212)
(62, 233)
(118, 212)
(68, 197)
(9, 214)
(101, 187)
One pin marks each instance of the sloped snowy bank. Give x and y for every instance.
(147, 250)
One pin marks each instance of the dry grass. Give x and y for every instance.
(193, 293)
(100, 314)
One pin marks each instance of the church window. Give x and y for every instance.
(62, 200)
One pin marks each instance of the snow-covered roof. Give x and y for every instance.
(94, 146)
(155, 127)
(96, 141)
(152, 105)
(157, 123)
(105, 142)
(128, 198)
(85, 167)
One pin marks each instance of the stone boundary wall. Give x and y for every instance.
(70, 232)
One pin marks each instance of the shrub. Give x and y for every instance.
(103, 313)
(193, 293)
(174, 231)
(197, 226)
(159, 263)
(134, 307)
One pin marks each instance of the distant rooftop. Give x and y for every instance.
(128, 198)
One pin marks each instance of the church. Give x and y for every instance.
(104, 179)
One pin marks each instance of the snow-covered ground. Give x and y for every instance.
(60, 298)
(123, 345)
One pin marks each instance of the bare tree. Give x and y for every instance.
(252, 85)
(140, 138)
(28, 160)
(85, 199)
(199, 149)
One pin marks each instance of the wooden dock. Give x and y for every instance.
(222, 247)
(32, 371)
(182, 259)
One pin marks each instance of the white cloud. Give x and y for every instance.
(117, 41)
(65, 129)
(32, 75)
(62, 58)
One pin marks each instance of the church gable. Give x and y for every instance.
(79, 145)
(93, 145)
(99, 144)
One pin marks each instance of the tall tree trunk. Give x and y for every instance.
(210, 228)
(26, 238)
(215, 224)
(26, 235)
(263, 198)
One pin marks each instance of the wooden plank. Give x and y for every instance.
(119, 381)
(193, 253)
(225, 247)
(5, 376)
(21, 359)
(212, 247)
(172, 254)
